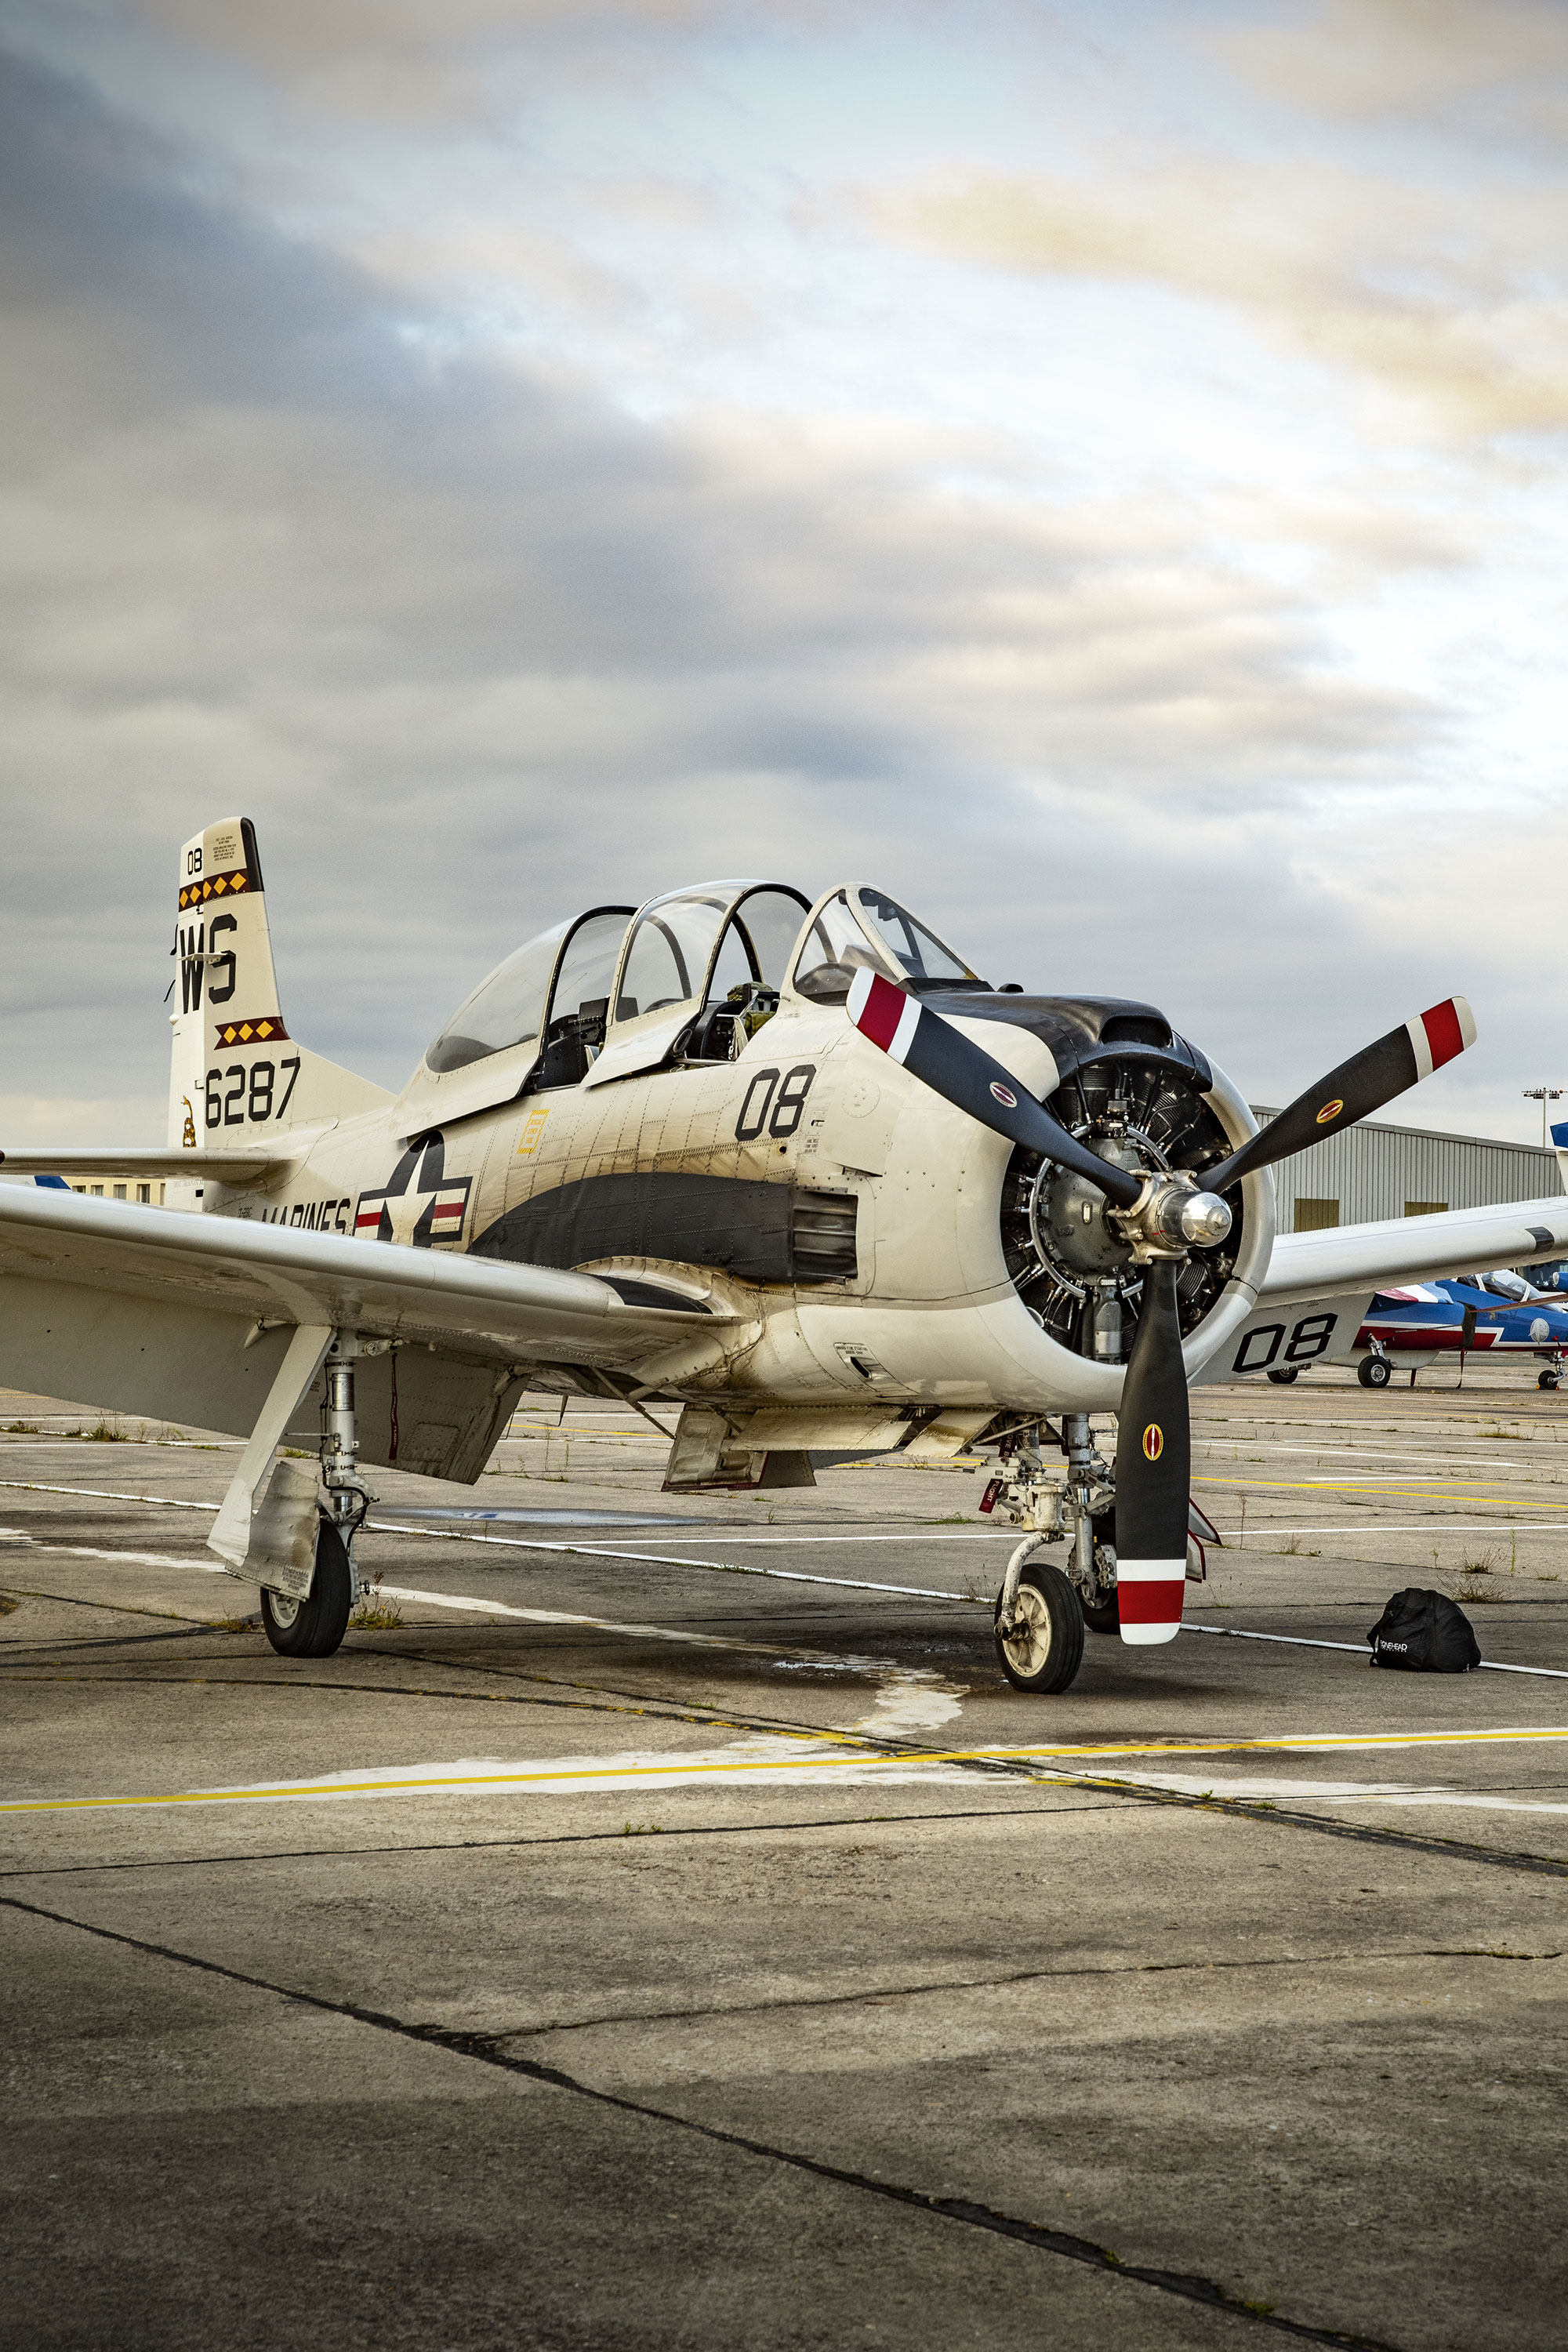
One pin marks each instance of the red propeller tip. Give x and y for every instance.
(1149, 1595)
(883, 1012)
(1442, 1034)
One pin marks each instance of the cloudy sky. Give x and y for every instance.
(1096, 470)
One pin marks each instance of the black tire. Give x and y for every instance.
(313, 1628)
(1374, 1372)
(1049, 1653)
(1103, 1616)
(1283, 1378)
(1546, 1380)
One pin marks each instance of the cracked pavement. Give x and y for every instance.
(535, 1973)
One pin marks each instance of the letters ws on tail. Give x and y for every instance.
(236, 1077)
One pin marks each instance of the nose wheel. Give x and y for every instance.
(1042, 1648)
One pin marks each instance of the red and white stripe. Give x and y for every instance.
(1442, 1034)
(883, 1012)
(1149, 1597)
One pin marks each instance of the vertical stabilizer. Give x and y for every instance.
(236, 1076)
(1560, 1138)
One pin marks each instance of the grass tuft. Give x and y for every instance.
(8, 1602)
(374, 1615)
(106, 1433)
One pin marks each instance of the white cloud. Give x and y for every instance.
(1103, 637)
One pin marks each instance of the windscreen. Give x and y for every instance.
(921, 952)
(835, 950)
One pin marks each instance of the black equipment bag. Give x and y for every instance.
(1424, 1633)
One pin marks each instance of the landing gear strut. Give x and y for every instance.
(315, 1627)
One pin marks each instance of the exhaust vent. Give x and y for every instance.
(822, 1237)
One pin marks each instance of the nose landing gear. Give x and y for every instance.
(1043, 1647)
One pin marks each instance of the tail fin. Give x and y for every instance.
(236, 1076)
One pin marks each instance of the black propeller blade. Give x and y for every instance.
(1362, 1084)
(931, 1050)
(1153, 1468)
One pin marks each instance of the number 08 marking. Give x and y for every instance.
(785, 1108)
(1309, 1340)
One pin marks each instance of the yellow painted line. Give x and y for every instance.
(1409, 1494)
(1319, 1743)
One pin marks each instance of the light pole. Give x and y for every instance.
(1542, 1095)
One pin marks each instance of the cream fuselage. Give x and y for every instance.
(930, 1313)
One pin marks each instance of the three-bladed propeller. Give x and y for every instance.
(1163, 1217)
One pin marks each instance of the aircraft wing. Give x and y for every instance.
(183, 1316)
(1413, 1249)
(78, 1162)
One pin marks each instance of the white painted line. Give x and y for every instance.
(672, 1560)
(612, 1626)
(105, 1494)
(1357, 1649)
(664, 1559)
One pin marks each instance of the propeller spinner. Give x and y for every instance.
(1164, 1216)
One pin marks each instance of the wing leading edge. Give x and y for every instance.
(1414, 1249)
(171, 1315)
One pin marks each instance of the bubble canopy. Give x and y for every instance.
(621, 970)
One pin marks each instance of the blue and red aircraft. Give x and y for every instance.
(1484, 1314)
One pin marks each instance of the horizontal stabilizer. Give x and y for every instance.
(77, 1164)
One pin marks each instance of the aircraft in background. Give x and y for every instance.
(789, 1164)
(1487, 1314)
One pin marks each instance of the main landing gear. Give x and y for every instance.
(1546, 1380)
(1374, 1372)
(315, 1627)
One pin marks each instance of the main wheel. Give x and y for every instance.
(1546, 1380)
(1044, 1652)
(313, 1628)
(1285, 1375)
(1374, 1372)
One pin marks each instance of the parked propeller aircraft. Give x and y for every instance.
(791, 1165)
(1493, 1314)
